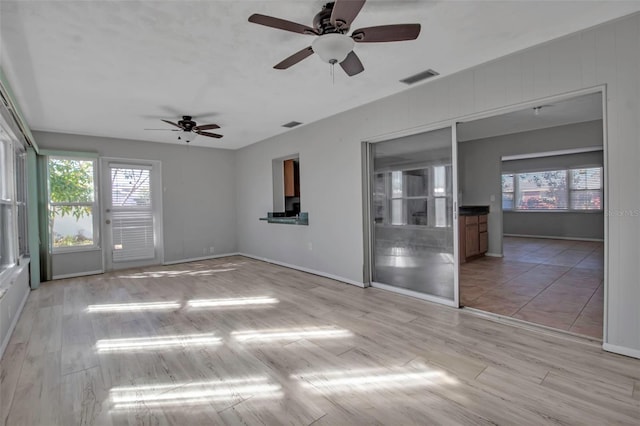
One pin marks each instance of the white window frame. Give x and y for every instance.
(8, 199)
(430, 198)
(94, 208)
(21, 199)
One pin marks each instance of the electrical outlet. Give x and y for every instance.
(211, 250)
(204, 250)
(310, 246)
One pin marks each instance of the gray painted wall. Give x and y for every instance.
(331, 166)
(480, 167)
(588, 226)
(198, 192)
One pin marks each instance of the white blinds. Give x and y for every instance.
(132, 214)
(132, 235)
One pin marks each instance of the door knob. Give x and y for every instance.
(108, 222)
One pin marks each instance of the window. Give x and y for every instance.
(21, 201)
(413, 197)
(586, 189)
(573, 189)
(7, 228)
(72, 203)
(507, 191)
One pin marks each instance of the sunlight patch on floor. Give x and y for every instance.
(124, 307)
(232, 302)
(290, 334)
(193, 393)
(158, 342)
(370, 379)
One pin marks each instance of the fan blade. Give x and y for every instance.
(383, 33)
(206, 127)
(281, 24)
(211, 135)
(295, 58)
(345, 11)
(352, 65)
(165, 130)
(173, 124)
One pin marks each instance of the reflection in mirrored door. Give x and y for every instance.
(412, 199)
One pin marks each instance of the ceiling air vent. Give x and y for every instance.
(420, 76)
(292, 124)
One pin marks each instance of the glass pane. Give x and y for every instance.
(586, 178)
(397, 212)
(507, 182)
(130, 187)
(439, 180)
(6, 253)
(23, 235)
(71, 180)
(586, 200)
(414, 248)
(542, 190)
(72, 226)
(417, 212)
(396, 184)
(379, 198)
(5, 194)
(441, 212)
(416, 183)
(507, 200)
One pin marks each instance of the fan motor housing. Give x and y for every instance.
(187, 123)
(322, 21)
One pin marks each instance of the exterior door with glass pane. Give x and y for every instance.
(132, 219)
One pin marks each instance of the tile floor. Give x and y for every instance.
(556, 283)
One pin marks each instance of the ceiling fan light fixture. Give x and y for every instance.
(333, 48)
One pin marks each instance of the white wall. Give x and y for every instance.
(198, 191)
(330, 162)
(13, 294)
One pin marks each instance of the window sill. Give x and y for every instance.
(75, 250)
(8, 275)
(554, 211)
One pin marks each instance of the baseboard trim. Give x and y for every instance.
(621, 350)
(5, 343)
(550, 237)
(197, 259)
(303, 269)
(494, 254)
(77, 274)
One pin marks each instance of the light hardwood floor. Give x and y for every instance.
(237, 341)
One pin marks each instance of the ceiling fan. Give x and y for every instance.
(189, 126)
(331, 26)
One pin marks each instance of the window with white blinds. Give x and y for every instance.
(574, 189)
(131, 213)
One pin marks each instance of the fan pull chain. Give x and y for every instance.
(333, 74)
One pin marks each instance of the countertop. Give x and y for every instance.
(473, 210)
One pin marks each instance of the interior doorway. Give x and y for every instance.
(541, 172)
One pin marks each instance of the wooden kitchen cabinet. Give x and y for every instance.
(291, 179)
(473, 236)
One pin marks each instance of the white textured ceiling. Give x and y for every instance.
(552, 114)
(113, 68)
